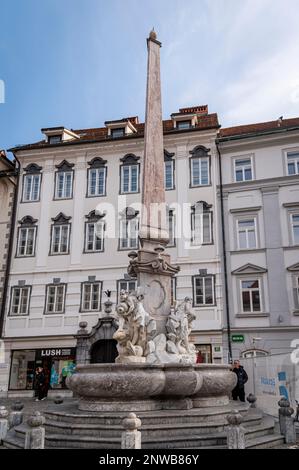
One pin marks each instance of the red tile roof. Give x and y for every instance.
(260, 127)
(209, 121)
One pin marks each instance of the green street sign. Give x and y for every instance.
(238, 338)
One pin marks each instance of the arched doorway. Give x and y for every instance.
(104, 351)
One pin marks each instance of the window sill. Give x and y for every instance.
(296, 312)
(249, 250)
(253, 315)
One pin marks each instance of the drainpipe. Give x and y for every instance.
(224, 260)
(10, 245)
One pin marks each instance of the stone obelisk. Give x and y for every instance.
(152, 265)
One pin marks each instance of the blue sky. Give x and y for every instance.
(78, 63)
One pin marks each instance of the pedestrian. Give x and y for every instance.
(41, 384)
(239, 390)
(199, 358)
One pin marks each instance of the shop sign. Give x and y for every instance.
(238, 338)
(55, 352)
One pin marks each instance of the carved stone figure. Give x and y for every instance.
(136, 328)
(179, 327)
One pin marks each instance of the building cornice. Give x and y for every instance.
(266, 184)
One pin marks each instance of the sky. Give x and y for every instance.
(79, 63)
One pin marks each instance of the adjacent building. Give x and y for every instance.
(8, 181)
(260, 176)
(77, 219)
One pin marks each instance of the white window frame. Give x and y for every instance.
(103, 170)
(59, 252)
(91, 293)
(199, 160)
(94, 250)
(22, 289)
(295, 285)
(169, 163)
(25, 254)
(295, 161)
(239, 158)
(198, 240)
(204, 304)
(242, 219)
(25, 179)
(292, 214)
(55, 310)
(126, 282)
(250, 290)
(64, 174)
(171, 230)
(125, 223)
(129, 167)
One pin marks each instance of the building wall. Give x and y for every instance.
(111, 265)
(270, 197)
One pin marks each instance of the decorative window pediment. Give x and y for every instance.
(204, 204)
(129, 213)
(27, 220)
(97, 162)
(129, 159)
(33, 168)
(199, 151)
(168, 156)
(65, 166)
(249, 269)
(61, 219)
(95, 215)
(294, 267)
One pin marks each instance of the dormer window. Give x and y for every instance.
(183, 125)
(54, 139)
(119, 132)
(64, 180)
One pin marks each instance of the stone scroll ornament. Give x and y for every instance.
(138, 340)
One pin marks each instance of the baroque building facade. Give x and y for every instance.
(78, 208)
(260, 195)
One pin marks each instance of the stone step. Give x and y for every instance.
(147, 430)
(12, 441)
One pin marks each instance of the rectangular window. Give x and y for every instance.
(201, 227)
(120, 132)
(183, 125)
(203, 290)
(169, 175)
(129, 234)
(64, 184)
(94, 236)
(31, 188)
(55, 297)
(200, 171)
(129, 178)
(246, 234)
(296, 292)
(295, 228)
(22, 370)
(97, 181)
(243, 169)
(128, 286)
(54, 139)
(293, 163)
(26, 241)
(60, 239)
(20, 300)
(251, 296)
(91, 297)
(171, 228)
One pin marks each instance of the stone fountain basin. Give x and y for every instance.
(218, 382)
(117, 381)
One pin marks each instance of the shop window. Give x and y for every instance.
(22, 370)
(204, 353)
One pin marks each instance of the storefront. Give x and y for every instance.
(58, 364)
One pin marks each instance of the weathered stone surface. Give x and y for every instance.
(131, 437)
(3, 422)
(35, 435)
(235, 432)
(181, 380)
(218, 382)
(286, 421)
